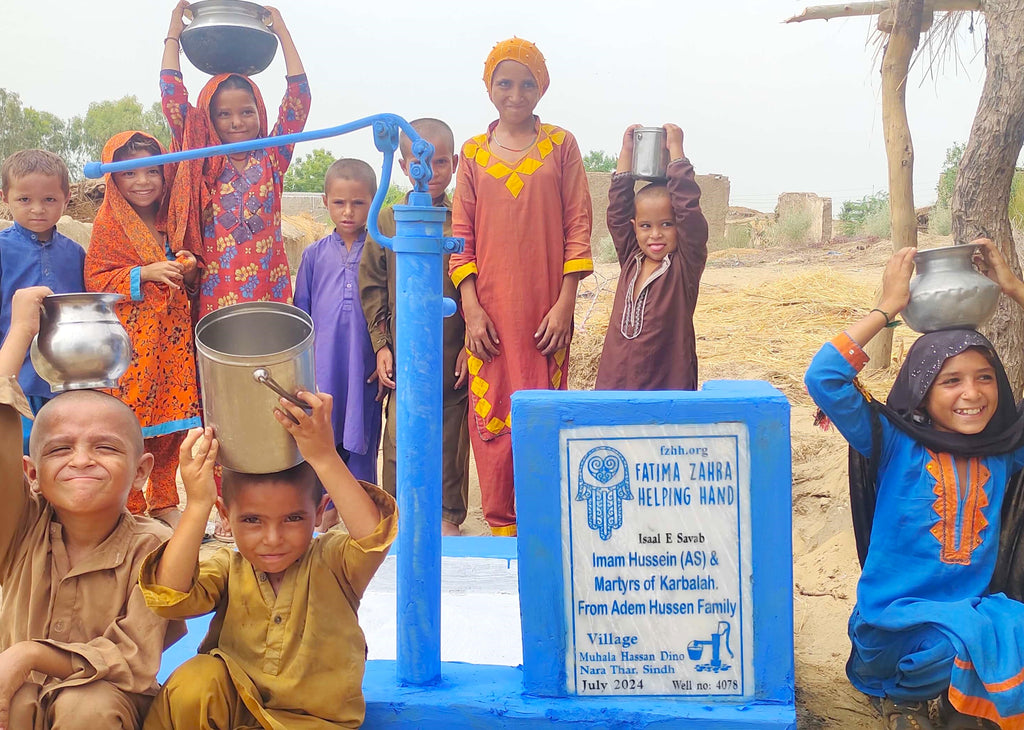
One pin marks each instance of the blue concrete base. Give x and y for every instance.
(487, 697)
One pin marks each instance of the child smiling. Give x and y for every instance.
(942, 448)
(661, 238)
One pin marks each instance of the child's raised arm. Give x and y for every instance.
(25, 308)
(172, 41)
(177, 566)
(315, 437)
(991, 263)
(895, 295)
(292, 62)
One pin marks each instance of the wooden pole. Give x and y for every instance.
(899, 148)
(847, 10)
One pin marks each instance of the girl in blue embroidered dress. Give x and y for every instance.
(943, 448)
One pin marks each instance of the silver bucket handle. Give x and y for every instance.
(262, 375)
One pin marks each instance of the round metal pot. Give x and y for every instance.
(81, 342)
(650, 155)
(228, 36)
(250, 355)
(948, 292)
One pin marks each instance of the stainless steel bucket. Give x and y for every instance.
(81, 342)
(650, 155)
(249, 356)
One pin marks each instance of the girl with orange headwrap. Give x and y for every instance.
(130, 254)
(523, 207)
(227, 209)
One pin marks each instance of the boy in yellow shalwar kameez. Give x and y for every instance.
(285, 649)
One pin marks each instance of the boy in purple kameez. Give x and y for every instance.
(327, 288)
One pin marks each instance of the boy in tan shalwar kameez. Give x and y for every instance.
(285, 651)
(80, 648)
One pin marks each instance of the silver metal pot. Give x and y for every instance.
(249, 355)
(650, 154)
(948, 292)
(81, 342)
(228, 36)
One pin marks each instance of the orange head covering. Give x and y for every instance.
(119, 237)
(517, 49)
(194, 182)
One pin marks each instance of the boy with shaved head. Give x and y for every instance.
(377, 295)
(79, 647)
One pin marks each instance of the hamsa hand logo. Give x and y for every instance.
(604, 484)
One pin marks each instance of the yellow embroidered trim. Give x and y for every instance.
(483, 407)
(505, 531)
(461, 272)
(479, 387)
(570, 267)
(474, 150)
(956, 548)
(556, 377)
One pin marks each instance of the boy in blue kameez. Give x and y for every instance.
(943, 448)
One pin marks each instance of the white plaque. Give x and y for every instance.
(657, 564)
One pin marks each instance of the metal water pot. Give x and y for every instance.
(81, 343)
(650, 155)
(228, 36)
(250, 355)
(948, 292)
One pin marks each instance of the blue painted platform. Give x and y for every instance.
(475, 696)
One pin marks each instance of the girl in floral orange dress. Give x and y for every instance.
(130, 254)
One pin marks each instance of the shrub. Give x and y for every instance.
(738, 236)
(940, 220)
(855, 213)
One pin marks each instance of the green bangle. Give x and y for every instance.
(889, 323)
(885, 314)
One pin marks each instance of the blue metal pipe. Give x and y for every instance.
(418, 244)
(418, 331)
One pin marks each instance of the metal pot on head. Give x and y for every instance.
(81, 343)
(249, 355)
(948, 292)
(650, 154)
(228, 36)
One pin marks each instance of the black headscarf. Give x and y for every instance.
(1004, 433)
(920, 368)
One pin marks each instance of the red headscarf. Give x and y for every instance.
(119, 236)
(195, 181)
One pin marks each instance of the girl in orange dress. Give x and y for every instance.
(523, 207)
(130, 254)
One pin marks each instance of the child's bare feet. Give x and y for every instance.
(170, 516)
(450, 529)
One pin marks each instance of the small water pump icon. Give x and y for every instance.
(696, 649)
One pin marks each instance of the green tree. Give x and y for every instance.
(598, 161)
(23, 127)
(306, 174)
(947, 177)
(104, 119)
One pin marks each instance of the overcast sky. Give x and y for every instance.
(774, 107)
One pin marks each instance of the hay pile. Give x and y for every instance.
(298, 232)
(768, 331)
